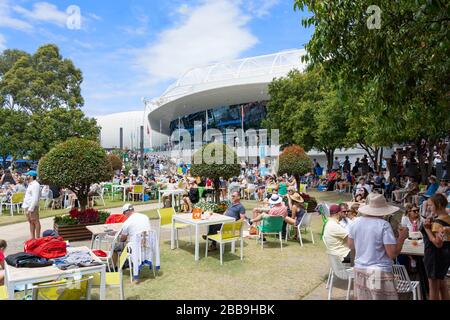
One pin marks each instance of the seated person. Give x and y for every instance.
(236, 210)
(431, 190)
(412, 190)
(192, 197)
(331, 180)
(3, 246)
(362, 184)
(412, 218)
(166, 196)
(361, 195)
(335, 236)
(94, 191)
(277, 209)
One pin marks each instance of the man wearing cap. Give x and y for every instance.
(31, 204)
(335, 236)
(135, 223)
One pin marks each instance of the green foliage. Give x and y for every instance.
(76, 164)
(294, 160)
(211, 161)
(12, 127)
(116, 161)
(49, 128)
(39, 82)
(211, 206)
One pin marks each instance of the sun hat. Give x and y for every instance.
(127, 207)
(275, 199)
(334, 208)
(297, 198)
(377, 207)
(31, 173)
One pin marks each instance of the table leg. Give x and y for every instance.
(197, 244)
(159, 199)
(172, 235)
(103, 284)
(10, 287)
(92, 242)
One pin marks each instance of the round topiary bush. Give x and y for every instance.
(76, 164)
(213, 161)
(294, 161)
(116, 162)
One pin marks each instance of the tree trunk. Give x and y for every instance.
(421, 156)
(83, 199)
(380, 164)
(297, 180)
(330, 154)
(217, 190)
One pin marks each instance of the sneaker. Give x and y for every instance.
(204, 237)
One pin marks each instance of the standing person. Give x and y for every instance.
(347, 164)
(31, 204)
(435, 232)
(375, 247)
(336, 164)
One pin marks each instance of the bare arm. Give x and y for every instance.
(393, 250)
(437, 239)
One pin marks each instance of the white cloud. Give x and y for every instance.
(2, 43)
(260, 8)
(44, 11)
(9, 22)
(214, 31)
(95, 17)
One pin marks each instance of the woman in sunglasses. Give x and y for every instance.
(412, 219)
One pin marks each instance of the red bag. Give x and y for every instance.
(47, 247)
(116, 218)
(100, 253)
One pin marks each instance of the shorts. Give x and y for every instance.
(33, 215)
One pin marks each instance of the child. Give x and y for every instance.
(3, 246)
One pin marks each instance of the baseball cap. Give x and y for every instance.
(127, 207)
(31, 173)
(334, 208)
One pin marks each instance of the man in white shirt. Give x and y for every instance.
(362, 184)
(135, 223)
(335, 236)
(31, 204)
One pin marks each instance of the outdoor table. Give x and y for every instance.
(172, 193)
(121, 186)
(417, 252)
(29, 276)
(205, 221)
(103, 229)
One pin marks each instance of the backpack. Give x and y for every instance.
(47, 247)
(26, 260)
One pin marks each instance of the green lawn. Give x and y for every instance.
(269, 274)
(6, 218)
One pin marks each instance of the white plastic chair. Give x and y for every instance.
(404, 284)
(340, 271)
(100, 196)
(305, 223)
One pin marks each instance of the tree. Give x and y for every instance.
(403, 65)
(213, 161)
(116, 162)
(38, 82)
(76, 164)
(49, 128)
(307, 110)
(294, 161)
(12, 127)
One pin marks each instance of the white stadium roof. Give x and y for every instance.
(232, 82)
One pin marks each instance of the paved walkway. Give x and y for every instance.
(16, 234)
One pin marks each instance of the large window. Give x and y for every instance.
(224, 117)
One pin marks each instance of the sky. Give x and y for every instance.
(131, 49)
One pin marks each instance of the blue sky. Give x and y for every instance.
(129, 49)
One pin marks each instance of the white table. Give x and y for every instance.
(172, 193)
(103, 229)
(409, 249)
(29, 276)
(205, 221)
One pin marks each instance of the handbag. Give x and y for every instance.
(26, 260)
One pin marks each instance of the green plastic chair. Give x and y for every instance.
(271, 225)
(201, 190)
(324, 222)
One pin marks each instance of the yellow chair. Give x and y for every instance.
(165, 221)
(137, 190)
(229, 233)
(64, 290)
(16, 201)
(114, 279)
(3, 293)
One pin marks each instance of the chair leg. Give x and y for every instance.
(348, 288)
(206, 247)
(242, 248)
(121, 290)
(178, 246)
(312, 235)
(331, 286)
(281, 240)
(414, 292)
(329, 278)
(221, 253)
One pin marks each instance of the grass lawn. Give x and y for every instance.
(263, 274)
(6, 218)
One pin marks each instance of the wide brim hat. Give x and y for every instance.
(377, 207)
(275, 199)
(297, 198)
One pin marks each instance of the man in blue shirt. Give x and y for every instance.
(431, 190)
(235, 210)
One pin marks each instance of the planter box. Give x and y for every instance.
(74, 232)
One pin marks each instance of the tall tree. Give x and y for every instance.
(403, 61)
(42, 81)
(13, 124)
(47, 129)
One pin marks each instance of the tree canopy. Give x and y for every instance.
(294, 160)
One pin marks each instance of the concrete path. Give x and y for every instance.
(16, 234)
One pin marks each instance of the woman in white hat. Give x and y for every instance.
(376, 247)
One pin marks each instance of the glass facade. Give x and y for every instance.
(225, 117)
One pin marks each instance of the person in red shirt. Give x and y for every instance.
(3, 246)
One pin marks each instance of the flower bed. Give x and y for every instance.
(212, 206)
(72, 226)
